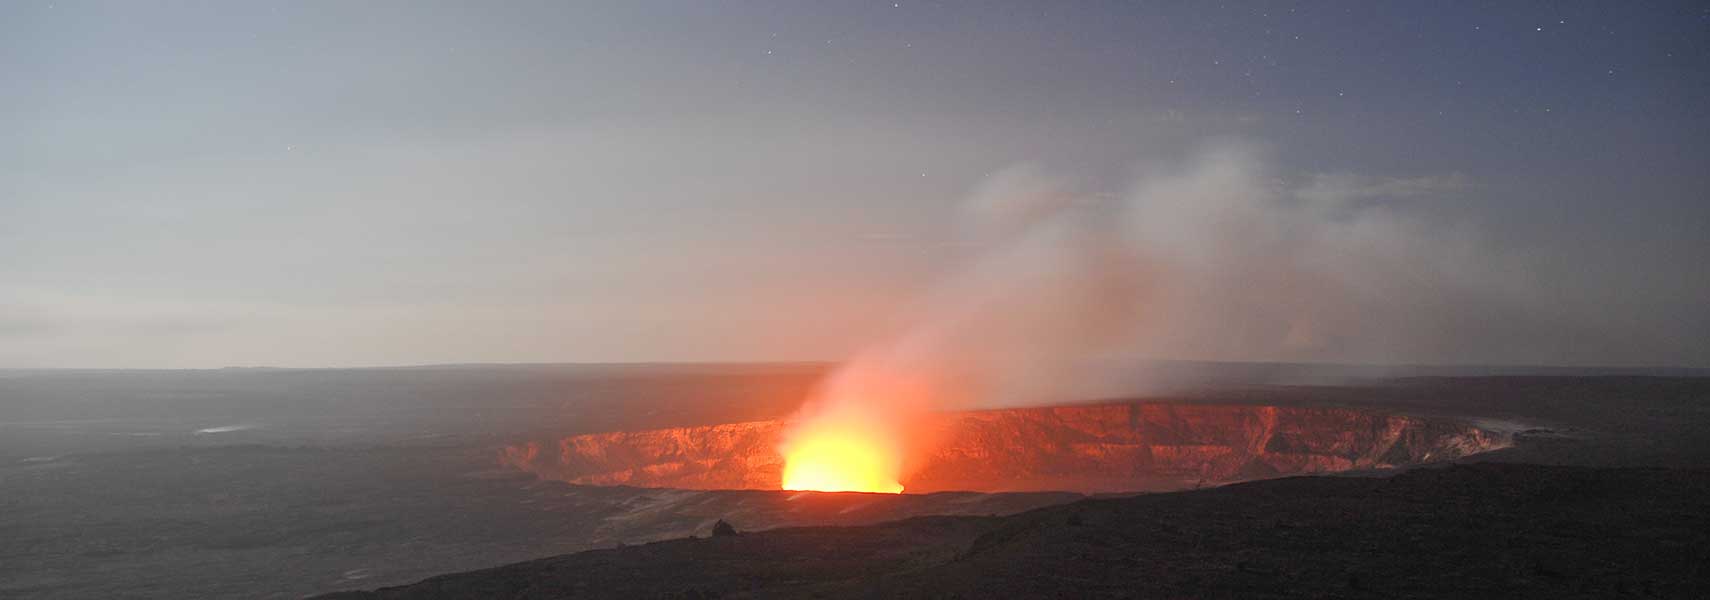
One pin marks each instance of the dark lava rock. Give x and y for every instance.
(1474, 531)
(723, 529)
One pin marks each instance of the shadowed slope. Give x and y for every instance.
(1465, 531)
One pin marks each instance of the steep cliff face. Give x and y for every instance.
(728, 456)
(1104, 448)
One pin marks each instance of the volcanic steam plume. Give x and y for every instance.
(1214, 259)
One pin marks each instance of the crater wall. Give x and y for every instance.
(1147, 446)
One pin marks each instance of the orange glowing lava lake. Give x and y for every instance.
(835, 461)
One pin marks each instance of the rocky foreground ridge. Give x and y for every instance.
(1140, 446)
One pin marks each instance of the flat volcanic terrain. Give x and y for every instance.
(1485, 530)
(288, 483)
(1602, 491)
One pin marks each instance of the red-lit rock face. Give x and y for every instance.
(729, 456)
(1115, 447)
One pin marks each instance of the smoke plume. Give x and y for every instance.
(1216, 257)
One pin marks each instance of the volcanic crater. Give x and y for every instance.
(1116, 447)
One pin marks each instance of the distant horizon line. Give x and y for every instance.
(1514, 369)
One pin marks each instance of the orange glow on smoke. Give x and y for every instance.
(830, 459)
(857, 430)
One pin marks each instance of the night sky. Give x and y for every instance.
(343, 184)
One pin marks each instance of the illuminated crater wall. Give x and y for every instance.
(1102, 448)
